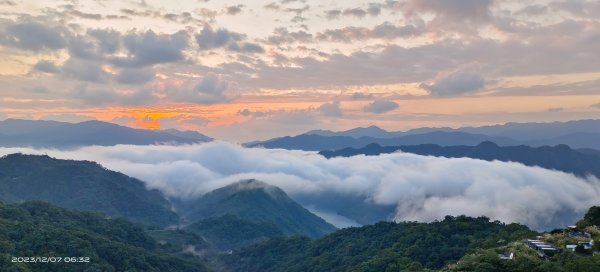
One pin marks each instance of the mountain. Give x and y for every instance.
(188, 134)
(537, 131)
(257, 202)
(385, 246)
(34, 229)
(560, 157)
(81, 185)
(576, 134)
(319, 143)
(518, 131)
(371, 131)
(574, 140)
(66, 135)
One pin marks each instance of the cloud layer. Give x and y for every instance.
(420, 188)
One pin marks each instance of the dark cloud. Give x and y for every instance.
(84, 70)
(249, 113)
(362, 96)
(46, 67)
(383, 31)
(451, 15)
(149, 48)
(282, 35)
(372, 10)
(381, 106)
(233, 10)
(108, 40)
(209, 39)
(331, 109)
(333, 14)
(210, 89)
(96, 95)
(90, 16)
(135, 76)
(8, 3)
(455, 83)
(34, 35)
(357, 12)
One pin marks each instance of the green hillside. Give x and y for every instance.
(81, 185)
(258, 202)
(41, 229)
(385, 246)
(229, 231)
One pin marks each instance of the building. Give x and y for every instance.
(506, 256)
(542, 248)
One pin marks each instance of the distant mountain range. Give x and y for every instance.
(560, 157)
(37, 133)
(312, 142)
(576, 134)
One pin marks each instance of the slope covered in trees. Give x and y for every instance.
(35, 229)
(81, 185)
(385, 246)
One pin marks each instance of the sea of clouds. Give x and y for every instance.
(417, 188)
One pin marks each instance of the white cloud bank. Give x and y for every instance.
(420, 188)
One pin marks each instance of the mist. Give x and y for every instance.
(398, 186)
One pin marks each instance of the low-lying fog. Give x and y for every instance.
(420, 188)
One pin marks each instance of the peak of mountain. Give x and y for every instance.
(81, 185)
(257, 202)
(54, 134)
(188, 134)
(370, 131)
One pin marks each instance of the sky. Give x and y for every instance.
(249, 70)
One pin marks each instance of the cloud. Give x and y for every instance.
(135, 76)
(233, 10)
(455, 83)
(99, 95)
(282, 35)
(209, 39)
(385, 30)
(149, 48)
(381, 106)
(454, 15)
(331, 109)
(597, 105)
(420, 188)
(212, 88)
(249, 113)
(84, 70)
(46, 67)
(34, 35)
(361, 96)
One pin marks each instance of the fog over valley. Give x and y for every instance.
(360, 189)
